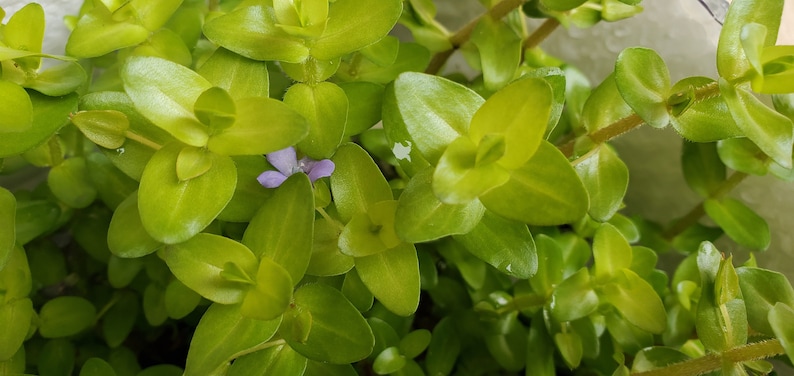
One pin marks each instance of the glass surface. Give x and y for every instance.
(717, 8)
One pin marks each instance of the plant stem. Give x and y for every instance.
(328, 218)
(142, 140)
(540, 34)
(714, 361)
(462, 35)
(694, 215)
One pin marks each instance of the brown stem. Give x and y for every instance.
(714, 361)
(461, 36)
(694, 215)
(540, 34)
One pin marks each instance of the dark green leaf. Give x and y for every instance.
(761, 290)
(444, 348)
(96, 367)
(703, 170)
(50, 115)
(276, 360)
(180, 300)
(65, 316)
(739, 222)
(365, 103)
(574, 298)
(8, 209)
(16, 316)
(505, 244)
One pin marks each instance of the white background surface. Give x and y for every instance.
(685, 35)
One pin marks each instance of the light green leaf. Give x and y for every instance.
(702, 121)
(239, 76)
(606, 179)
(574, 297)
(354, 24)
(656, 357)
(545, 191)
(356, 183)
(562, 5)
(251, 31)
(370, 233)
(421, 217)
(780, 318)
(248, 194)
(383, 52)
(636, 301)
(459, 179)
(275, 360)
(365, 104)
(8, 209)
(69, 182)
(326, 257)
(152, 15)
(271, 295)
(65, 316)
(740, 222)
(761, 290)
(337, 334)
(522, 121)
(16, 316)
(250, 135)
(411, 57)
(165, 93)
(58, 80)
(611, 252)
(126, 235)
(324, 105)
(506, 245)
(393, 277)
(570, 346)
(644, 83)
(25, 31)
(417, 120)
(105, 128)
(499, 50)
(202, 263)
(180, 300)
(743, 155)
(215, 108)
(604, 106)
(222, 335)
(98, 33)
(50, 115)
(191, 204)
(192, 162)
(16, 114)
(732, 62)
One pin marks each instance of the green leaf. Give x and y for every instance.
(393, 277)
(611, 252)
(419, 124)
(16, 115)
(51, 114)
(636, 301)
(411, 57)
(365, 104)
(383, 52)
(356, 292)
(459, 178)
(732, 62)
(65, 316)
(106, 128)
(121, 271)
(444, 348)
(354, 24)
(656, 357)
(740, 222)
(562, 5)
(276, 360)
(509, 345)
(574, 298)
(96, 367)
(421, 217)
(388, 361)
(338, 333)
(570, 346)
(271, 295)
(248, 194)
(69, 182)
(191, 204)
(703, 170)
(721, 320)
(8, 209)
(370, 233)
(415, 343)
(58, 80)
(239, 76)
(604, 106)
(126, 235)
(249, 135)
(761, 290)
(703, 120)
(545, 191)
(499, 50)
(118, 321)
(201, 261)
(780, 319)
(180, 300)
(324, 105)
(540, 349)
(523, 124)
(25, 31)
(165, 93)
(215, 108)
(57, 357)
(16, 316)
(224, 334)
(505, 244)
(98, 33)
(326, 259)
(251, 31)
(154, 304)
(192, 162)
(743, 155)
(770, 130)
(282, 228)
(644, 83)
(606, 179)
(356, 183)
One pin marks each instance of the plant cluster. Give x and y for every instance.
(280, 187)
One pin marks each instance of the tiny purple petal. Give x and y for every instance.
(284, 160)
(271, 179)
(320, 169)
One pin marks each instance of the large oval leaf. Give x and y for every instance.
(357, 183)
(238, 75)
(324, 105)
(222, 335)
(337, 333)
(354, 24)
(202, 263)
(421, 217)
(506, 245)
(173, 211)
(545, 191)
(393, 277)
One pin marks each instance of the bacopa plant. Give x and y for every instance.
(282, 187)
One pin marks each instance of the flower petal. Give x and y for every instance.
(284, 160)
(271, 179)
(320, 169)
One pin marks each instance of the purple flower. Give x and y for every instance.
(287, 163)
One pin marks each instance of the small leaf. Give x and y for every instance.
(65, 316)
(606, 95)
(192, 162)
(200, 261)
(706, 120)
(574, 298)
(338, 333)
(703, 170)
(96, 367)
(656, 357)
(606, 179)
(743, 155)
(732, 63)
(271, 295)
(118, 321)
(780, 319)
(16, 114)
(459, 179)
(50, 115)
(180, 300)
(106, 128)
(500, 52)
(126, 235)
(215, 108)
(388, 361)
(97, 34)
(25, 31)
(275, 360)
(570, 346)
(357, 183)
(636, 300)
(69, 182)
(740, 222)
(393, 277)
(365, 101)
(221, 335)
(644, 83)
(444, 348)
(761, 290)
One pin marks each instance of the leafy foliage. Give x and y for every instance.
(479, 229)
